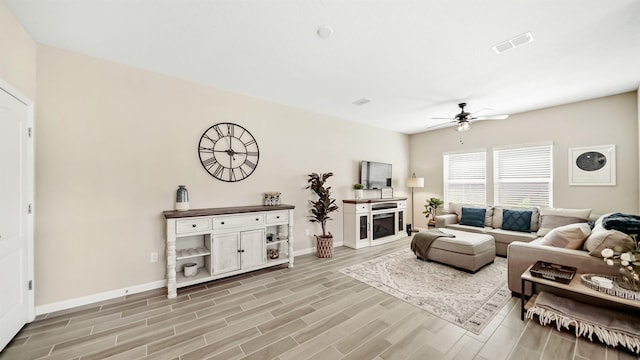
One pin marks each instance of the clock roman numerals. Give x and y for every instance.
(218, 131)
(218, 171)
(243, 174)
(205, 136)
(208, 163)
(225, 150)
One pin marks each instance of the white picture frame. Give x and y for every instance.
(386, 193)
(592, 166)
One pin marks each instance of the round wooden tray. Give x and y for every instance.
(614, 291)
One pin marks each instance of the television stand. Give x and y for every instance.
(370, 222)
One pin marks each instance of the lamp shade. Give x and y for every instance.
(414, 182)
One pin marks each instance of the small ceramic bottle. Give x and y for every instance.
(182, 198)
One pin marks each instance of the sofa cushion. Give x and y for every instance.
(570, 236)
(473, 216)
(509, 236)
(488, 216)
(498, 215)
(516, 220)
(553, 218)
(467, 228)
(602, 238)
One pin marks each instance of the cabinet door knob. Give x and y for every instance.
(257, 219)
(222, 223)
(193, 225)
(278, 217)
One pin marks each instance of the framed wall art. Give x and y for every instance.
(592, 165)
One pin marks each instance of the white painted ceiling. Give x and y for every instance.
(413, 59)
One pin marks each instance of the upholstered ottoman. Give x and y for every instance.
(467, 251)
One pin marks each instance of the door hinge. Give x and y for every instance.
(30, 284)
(29, 210)
(29, 131)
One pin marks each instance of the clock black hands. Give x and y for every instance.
(229, 160)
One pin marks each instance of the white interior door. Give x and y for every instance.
(16, 223)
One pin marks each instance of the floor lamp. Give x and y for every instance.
(414, 182)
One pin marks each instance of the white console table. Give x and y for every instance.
(226, 241)
(370, 222)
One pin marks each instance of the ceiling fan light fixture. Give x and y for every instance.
(464, 126)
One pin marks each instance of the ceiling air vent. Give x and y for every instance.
(361, 102)
(513, 43)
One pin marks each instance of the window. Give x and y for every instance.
(523, 176)
(465, 177)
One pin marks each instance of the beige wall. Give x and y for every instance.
(17, 54)
(114, 143)
(609, 120)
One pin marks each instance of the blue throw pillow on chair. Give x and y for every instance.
(516, 220)
(473, 216)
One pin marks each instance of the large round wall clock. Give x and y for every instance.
(228, 152)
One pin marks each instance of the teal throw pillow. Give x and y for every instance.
(473, 216)
(516, 220)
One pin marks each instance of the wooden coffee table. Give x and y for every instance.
(575, 286)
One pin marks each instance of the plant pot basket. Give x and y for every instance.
(324, 246)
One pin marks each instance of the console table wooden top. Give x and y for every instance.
(369, 201)
(173, 214)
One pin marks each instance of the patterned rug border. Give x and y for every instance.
(476, 323)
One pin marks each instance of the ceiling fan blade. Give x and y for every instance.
(442, 125)
(434, 118)
(481, 110)
(493, 117)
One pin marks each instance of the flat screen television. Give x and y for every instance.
(375, 175)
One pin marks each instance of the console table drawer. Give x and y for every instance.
(224, 222)
(277, 217)
(193, 225)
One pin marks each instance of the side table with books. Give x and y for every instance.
(612, 325)
(568, 279)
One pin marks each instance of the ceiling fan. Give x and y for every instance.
(463, 119)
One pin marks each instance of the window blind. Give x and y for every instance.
(465, 177)
(523, 176)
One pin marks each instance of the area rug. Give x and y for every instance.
(467, 300)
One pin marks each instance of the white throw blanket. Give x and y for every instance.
(610, 326)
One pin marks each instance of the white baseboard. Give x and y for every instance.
(313, 249)
(90, 299)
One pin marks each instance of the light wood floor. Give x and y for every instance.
(309, 312)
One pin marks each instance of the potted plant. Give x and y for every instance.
(358, 190)
(321, 210)
(431, 207)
